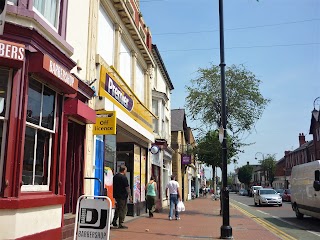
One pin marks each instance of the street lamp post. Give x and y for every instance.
(226, 230)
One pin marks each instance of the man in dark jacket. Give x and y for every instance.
(121, 192)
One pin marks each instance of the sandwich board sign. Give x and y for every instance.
(93, 216)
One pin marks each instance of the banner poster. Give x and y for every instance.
(136, 175)
(143, 174)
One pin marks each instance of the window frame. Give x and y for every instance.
(37, 128)
(5, 120)
(57, 15)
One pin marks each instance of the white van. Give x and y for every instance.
(305, 189)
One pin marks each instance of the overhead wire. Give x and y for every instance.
(238, 28)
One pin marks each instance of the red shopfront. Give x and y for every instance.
(42, 136)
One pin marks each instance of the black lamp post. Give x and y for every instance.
(226, 230)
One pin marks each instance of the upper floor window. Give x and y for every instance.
(106, 36)
(125, 63)
(140, 84)
(155, 110)
(38, 137)
(12, 2)
(49, 9)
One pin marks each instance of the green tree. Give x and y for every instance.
(268, 165)
(244, 102)
(245, 174)
(209, 149)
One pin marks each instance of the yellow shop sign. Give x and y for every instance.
(105, 123)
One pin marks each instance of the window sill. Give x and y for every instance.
(31, 201)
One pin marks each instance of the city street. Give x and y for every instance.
(282, 217)
(201, 220)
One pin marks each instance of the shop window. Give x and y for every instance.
(38, 137)
(49, 9)
(5, 85)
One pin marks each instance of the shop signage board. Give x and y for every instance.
(93, 216)
(185, 159)
(105, 123)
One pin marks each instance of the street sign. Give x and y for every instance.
(93, 216)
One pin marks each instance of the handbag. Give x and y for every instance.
(180, 206)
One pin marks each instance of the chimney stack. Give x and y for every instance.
(302, 139)
(286, 152)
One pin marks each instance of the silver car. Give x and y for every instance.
(267, 196)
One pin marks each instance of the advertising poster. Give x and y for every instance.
(136, 175)
(143, 174)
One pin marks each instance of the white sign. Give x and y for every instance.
(93, 218)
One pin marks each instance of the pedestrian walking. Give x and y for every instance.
(151, 196)
(121, 192)
(173, 188)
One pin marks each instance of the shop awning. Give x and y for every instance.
(80, 111)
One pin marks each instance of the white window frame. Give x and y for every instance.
(155, 110)
(5, 123)
(45, 19)
(106, 36)
(140, 83)
(31, 188)
(125, 67)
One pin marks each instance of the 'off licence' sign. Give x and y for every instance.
(105, 123)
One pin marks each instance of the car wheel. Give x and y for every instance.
(259, 203)
(298, 214)
(255, 203)
(280, 205)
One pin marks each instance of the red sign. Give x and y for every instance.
(12, 50)
(60, 72)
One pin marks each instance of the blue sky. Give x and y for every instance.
(277, 40)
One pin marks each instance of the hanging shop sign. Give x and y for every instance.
(105, 123)
(185, 159)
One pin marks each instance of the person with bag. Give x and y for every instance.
(151, 196)
(173, 187)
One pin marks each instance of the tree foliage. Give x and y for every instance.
(244, 102)
(245, 174)
(209, 149)
(268, 165)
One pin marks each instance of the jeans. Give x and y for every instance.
(173, 202)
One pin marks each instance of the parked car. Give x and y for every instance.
(267, 196)
(253, 190)
(243, 192)
(280, 192)
(305, 189)
(286, 197)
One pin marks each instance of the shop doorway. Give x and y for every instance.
(74, 166)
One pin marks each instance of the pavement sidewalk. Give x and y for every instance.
(201, 220)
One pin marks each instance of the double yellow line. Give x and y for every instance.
(265, 224)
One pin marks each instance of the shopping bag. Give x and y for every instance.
(180, 206)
